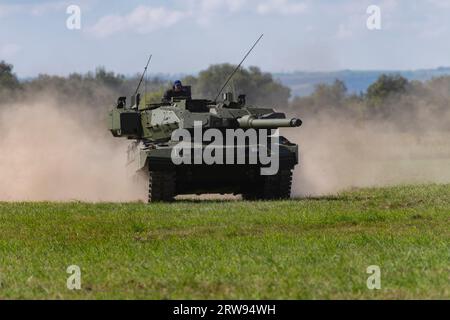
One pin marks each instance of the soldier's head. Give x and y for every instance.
(177, 86)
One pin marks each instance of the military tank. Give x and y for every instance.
(151, 126)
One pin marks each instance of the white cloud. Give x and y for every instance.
(206, 11)
(8, 50)
(213, 6)
(143, 19)
(284, 7)
(440, 3)
(46, 7)
(33, 9)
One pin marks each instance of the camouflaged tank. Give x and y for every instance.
(151, 126)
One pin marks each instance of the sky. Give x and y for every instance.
(186, 36)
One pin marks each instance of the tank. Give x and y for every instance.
(163, 134)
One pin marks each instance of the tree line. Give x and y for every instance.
(390, 98)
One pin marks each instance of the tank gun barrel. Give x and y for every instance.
(247, 122)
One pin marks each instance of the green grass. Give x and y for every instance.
(301, 249)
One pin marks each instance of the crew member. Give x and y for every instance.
(176, 91)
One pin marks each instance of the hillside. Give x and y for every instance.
(302, 83)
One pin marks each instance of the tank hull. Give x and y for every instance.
(245, 179)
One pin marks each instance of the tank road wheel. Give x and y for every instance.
(161, 186)
(273, 187)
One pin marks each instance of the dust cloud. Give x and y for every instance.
(63, 153)
(338, 153)
(60, 153)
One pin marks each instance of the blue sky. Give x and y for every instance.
(186, 36)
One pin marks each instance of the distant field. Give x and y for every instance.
(301, 249)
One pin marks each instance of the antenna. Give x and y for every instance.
(145, 88)
(143, 73)
(237, 68)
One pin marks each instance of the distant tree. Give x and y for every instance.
(153, 96)
(330, 98)
(260, 87)
(330, 95)
(386, 87)
(390, 96)
(437, 91)
(8, 80)
(108, 78)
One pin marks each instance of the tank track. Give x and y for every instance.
(274, 187)
(161, 186)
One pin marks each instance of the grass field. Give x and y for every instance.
(301, 249)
